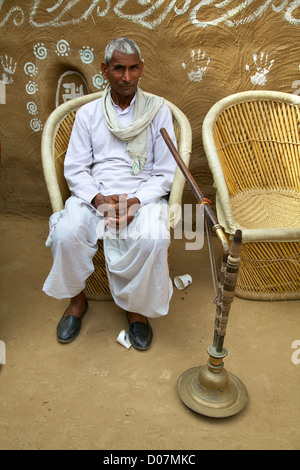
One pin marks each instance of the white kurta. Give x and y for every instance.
(137, 263)
(97, 162)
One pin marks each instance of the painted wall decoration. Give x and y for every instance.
(62, 48)
(195, 51)
(71, 84)
(197, 65)
(86, 54)
(149, 14)
(9, 67)
(261, 67)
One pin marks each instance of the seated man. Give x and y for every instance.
(119, 171)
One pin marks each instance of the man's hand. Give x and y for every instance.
(104, 204)
(118, 210)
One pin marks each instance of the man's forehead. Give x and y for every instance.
(121, 58)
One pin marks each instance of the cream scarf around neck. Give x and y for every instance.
(135, 135)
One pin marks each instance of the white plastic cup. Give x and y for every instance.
(123, 339)
(181, 282)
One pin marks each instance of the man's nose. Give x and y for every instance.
(126, 75)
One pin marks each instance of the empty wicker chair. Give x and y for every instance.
(55, 140)
(252, 144)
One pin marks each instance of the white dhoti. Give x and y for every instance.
(136, 258)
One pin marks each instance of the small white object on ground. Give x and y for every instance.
(123, 339)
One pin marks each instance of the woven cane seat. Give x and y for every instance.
(252, 144)
(273, 208)
(55, 140)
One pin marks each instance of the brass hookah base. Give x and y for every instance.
(212, 391)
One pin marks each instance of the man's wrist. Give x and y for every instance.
(136, 200)
(97, 200)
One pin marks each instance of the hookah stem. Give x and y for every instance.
(227, 290)
(231, 257)
(189, 178)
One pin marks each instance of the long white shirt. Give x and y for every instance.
(97, 161)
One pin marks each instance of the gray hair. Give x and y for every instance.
(125, 45)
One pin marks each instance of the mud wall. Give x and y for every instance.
(196, 52)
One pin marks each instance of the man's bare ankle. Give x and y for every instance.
(132, 317)
(77, 305)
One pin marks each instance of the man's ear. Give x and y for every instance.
(104, 69)
(141, 67)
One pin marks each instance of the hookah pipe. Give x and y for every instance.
(210, 389)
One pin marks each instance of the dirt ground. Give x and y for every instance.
(95, 394)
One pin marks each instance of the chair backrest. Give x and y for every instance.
(252, 144)
(55, 140)
(252, 141)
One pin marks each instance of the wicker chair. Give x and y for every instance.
(55, 139)
(252, 144)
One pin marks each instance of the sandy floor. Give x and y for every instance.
(95, 394)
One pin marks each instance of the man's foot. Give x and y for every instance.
(140, 331)
(70, 324)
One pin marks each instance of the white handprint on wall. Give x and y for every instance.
(197, 65)
(9, 69)
(263, 66)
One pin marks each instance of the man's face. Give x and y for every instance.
(123, 73)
